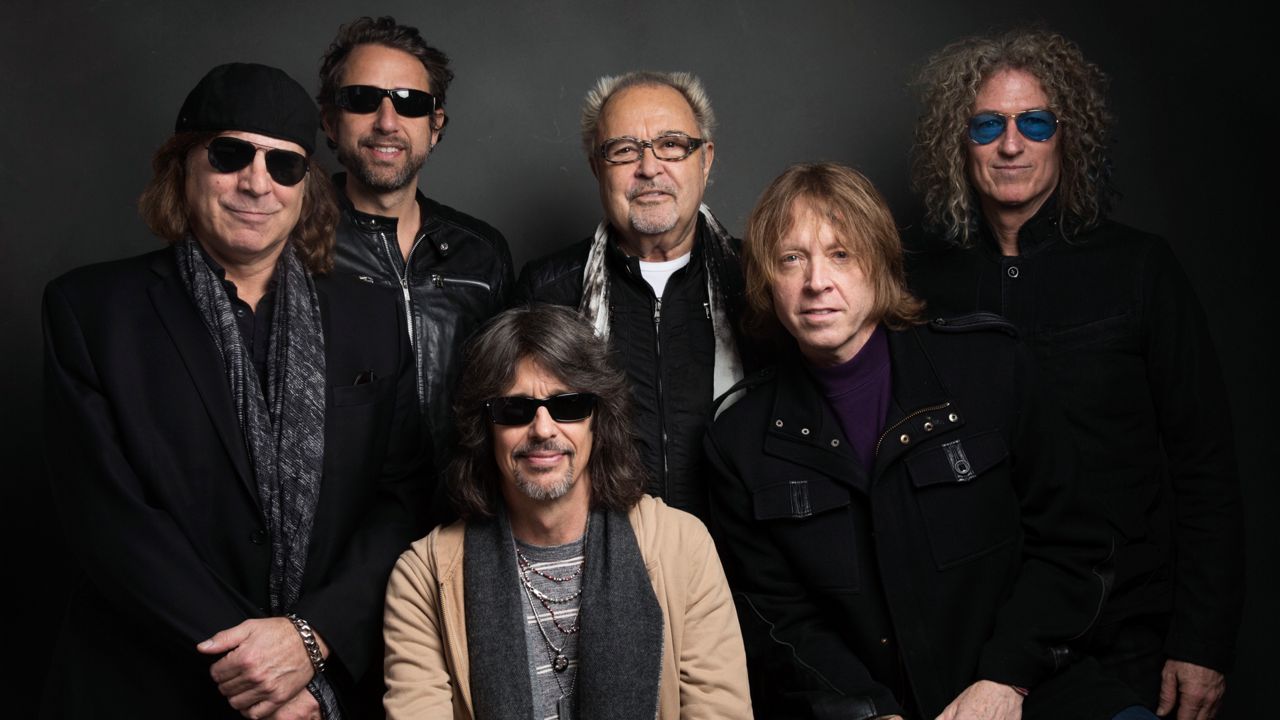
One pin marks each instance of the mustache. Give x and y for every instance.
(639, 190)
(542, 446)
(385, 141)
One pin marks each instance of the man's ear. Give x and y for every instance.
(708, 157)
(326, 124)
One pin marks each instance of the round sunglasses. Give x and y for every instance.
(1035, 125)
(569, 407)
(230, 154)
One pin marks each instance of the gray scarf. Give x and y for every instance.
(283, 427)
(718, 251)
(621, 638)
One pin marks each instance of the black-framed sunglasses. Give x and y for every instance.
(569, 407)
(671, 147)
(1035, 125)
(231, 154)
(364, 99)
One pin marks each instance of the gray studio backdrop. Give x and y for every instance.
(91, 88)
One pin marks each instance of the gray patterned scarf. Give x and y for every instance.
(718, 251)
(283, 427)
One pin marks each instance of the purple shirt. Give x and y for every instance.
(858, 392)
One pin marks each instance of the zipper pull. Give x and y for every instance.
(706, 307)
(657, 311)
(437, 279)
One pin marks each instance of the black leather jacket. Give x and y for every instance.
(666, 348)
(458, 275)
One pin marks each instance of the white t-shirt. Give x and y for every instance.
(657, 273)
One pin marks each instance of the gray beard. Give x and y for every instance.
(554, 491)
(647, 225)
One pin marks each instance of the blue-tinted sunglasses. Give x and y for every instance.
(1035, 125)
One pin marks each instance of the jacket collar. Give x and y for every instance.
(1040, 232)
(371, 223)
(803, 428)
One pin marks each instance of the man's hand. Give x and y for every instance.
(985, 700)
(1194, 689)
(303, 706)
(265, 665)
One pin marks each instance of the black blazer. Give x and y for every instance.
(152, 481)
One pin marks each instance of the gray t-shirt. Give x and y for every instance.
(550, 686)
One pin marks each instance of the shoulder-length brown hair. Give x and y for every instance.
(564, 344)
(949, 85)
(862, 221)
(163, 204)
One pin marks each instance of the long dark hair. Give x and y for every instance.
(564, 344)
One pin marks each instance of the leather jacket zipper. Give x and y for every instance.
(905, 418)
(440, 281)
(402, 274)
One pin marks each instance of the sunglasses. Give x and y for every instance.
(229, 154)
(364, 99)
(1035, 125)
(569, 407)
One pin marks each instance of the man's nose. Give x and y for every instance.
(386, 119)
(254, 178)
(649, 164)
(543, 426)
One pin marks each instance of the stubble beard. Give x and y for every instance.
(382, 178)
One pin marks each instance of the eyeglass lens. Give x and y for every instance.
(1035, 125)
(364, 99)
(228, 155)
(666, 147)
(569, 407)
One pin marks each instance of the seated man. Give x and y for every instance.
(895, 503)
(234, 438)
(564, 591)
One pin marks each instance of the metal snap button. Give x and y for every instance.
(953, 417)
(1013, 271)
(804, 431)
(777, 423)
(904, 438)
(444, 247)
(835, 443)
(928, 427)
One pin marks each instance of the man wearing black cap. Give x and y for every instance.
(235, 462)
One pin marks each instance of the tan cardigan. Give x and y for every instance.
(704, 670)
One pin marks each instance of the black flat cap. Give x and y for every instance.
(251, 98)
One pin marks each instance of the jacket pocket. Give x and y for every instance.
(965, 497)
(811, 520)
(1094, 333)
(346, 395)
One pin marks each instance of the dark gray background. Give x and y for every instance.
(91, 88)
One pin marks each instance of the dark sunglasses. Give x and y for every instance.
(569, 407)
(1035, 125)
(364, 99)
(229, 154)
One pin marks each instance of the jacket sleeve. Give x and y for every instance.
(347, 609)
(134, 552)
(713, 667)
(1065, 572)
(1196, 433)
(801, 667)
(417, 676)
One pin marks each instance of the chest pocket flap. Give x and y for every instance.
(966, 497)
(797, 499)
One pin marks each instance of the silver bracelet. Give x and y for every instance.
(308, 641)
